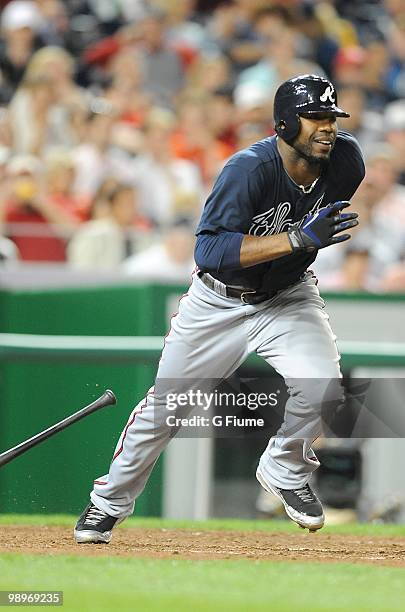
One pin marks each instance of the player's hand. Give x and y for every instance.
(320, 230)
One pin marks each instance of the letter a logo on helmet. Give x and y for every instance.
(328, 95)
(307, 94)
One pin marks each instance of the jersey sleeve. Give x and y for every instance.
(218, 252)
(232, 202)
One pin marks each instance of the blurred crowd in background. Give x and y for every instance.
(117, 116)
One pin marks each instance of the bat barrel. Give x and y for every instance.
(107, 399)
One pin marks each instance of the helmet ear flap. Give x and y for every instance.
(288, 132)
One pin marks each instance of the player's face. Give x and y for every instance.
(316, 138)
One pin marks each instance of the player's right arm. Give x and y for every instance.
(260, 249)
(232, 250)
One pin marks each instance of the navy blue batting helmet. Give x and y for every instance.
(305, 94)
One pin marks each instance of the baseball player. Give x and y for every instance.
(272, 207)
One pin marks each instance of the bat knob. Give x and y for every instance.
(111, 396)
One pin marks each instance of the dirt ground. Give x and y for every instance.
(188, 544)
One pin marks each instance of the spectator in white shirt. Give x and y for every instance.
(170, 260)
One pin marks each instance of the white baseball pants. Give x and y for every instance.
(210, 337)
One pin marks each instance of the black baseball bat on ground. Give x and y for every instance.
(108, 398)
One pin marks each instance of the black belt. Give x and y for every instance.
(247, 296)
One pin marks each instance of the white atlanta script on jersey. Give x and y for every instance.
(277, 219)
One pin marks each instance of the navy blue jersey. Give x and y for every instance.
(254, 195)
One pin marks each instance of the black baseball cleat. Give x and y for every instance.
(301, 505)
(94, 526)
